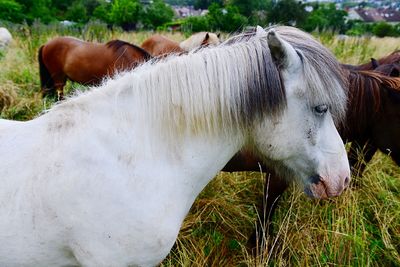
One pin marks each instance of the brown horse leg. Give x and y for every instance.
(358, 164)
(274, 188)
(59, 83)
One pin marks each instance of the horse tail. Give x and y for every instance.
(46, 82)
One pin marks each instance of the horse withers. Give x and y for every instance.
(136, 152)
(159, 45)
(84, 62)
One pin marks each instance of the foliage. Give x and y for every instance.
(248, 7)
(325, 16)
(196, 24)
(288, 12)
(382, 29)
(204, 4)
(10, 10)
(157, 14)
(181, 2)
(77, 12)
(102, 11)
(125, 13)
(219, 18)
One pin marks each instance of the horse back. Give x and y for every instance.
(158, 45)
(55, 52)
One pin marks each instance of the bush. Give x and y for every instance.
(157, 14)
(11, 11)
(382, 29)
(196, 24)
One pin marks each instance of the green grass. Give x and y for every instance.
(359, 228)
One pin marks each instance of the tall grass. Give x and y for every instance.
(359, 228)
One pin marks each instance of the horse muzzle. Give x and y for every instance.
(323, 188)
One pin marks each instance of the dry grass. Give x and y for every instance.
(360, 228)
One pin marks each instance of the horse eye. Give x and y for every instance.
(321, 109)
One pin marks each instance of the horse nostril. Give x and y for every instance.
(346, 181)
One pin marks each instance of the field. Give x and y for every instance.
(359, 228)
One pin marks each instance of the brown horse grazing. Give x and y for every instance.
(374, 63)
(87, 63)
(392, 70)
(372, 123)
(158, 45)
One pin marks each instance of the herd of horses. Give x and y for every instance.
(89, 63)
(116, 168)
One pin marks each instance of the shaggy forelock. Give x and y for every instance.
(325, 79)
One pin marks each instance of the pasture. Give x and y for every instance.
(360, 228)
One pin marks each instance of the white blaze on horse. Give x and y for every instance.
(109, 175)
(5, 37)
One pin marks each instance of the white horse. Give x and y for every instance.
(107, 177)
(5, 37)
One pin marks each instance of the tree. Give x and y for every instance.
(326, 16)
(225, 18)
(204, 4)
(11, 11)
(77, 12)
(382, 29)
(289, 12)
(248, 7)
(196, 24)
(157, 14)
(125, 13)
(102, 12)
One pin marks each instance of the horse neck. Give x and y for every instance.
(364, 106)
(192, 42)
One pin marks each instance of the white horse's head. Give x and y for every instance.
(303, 139)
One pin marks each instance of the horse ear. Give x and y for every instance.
(260, 32)
(284, 55)
(218, 35)
(374, 63)
(206, 37)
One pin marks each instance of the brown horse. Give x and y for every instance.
(372, 123)
(392, 70)
(374, 63)
(158, 45)
(87, 63)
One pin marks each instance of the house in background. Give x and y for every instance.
(370, 15)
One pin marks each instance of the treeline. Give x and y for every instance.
(223, 15)
(128, 14)
(233, 14)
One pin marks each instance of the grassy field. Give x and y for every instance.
(360, 228)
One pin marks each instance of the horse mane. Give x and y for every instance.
(221, 89)
(117, 44)
(366, 92)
